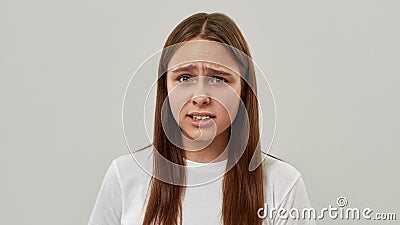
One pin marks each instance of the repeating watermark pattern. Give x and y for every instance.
(189, 72)
(338, 212)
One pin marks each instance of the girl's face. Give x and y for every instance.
(203, 89)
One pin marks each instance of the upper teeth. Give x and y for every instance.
(200, 117)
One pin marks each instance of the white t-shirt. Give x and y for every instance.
(122, 196)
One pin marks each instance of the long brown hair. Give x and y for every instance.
(243, 190)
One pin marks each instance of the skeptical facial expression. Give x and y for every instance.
(204, 89)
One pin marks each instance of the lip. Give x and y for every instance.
(201, 123)
(203, 113)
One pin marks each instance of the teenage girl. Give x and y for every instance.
(198, 170)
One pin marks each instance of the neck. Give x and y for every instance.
(212, 152)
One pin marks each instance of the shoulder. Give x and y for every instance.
(284, 188)
(137, 163)
(280, 178)
(277, 170)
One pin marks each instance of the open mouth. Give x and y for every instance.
(201, 116)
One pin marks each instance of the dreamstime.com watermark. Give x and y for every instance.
(342, 212)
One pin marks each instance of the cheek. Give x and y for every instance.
(232, 99)
(177, 99)
(231, 107)
(228, 104)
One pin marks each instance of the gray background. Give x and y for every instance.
(65, 65)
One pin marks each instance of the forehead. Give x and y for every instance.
(205, 67)
(208, 53)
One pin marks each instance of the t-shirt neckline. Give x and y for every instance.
(194, 163)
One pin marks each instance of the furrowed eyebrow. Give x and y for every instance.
(190, 68)
(217, 72)
(184, 69)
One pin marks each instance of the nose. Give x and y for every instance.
(201, 100)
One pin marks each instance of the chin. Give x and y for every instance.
(197, 135)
